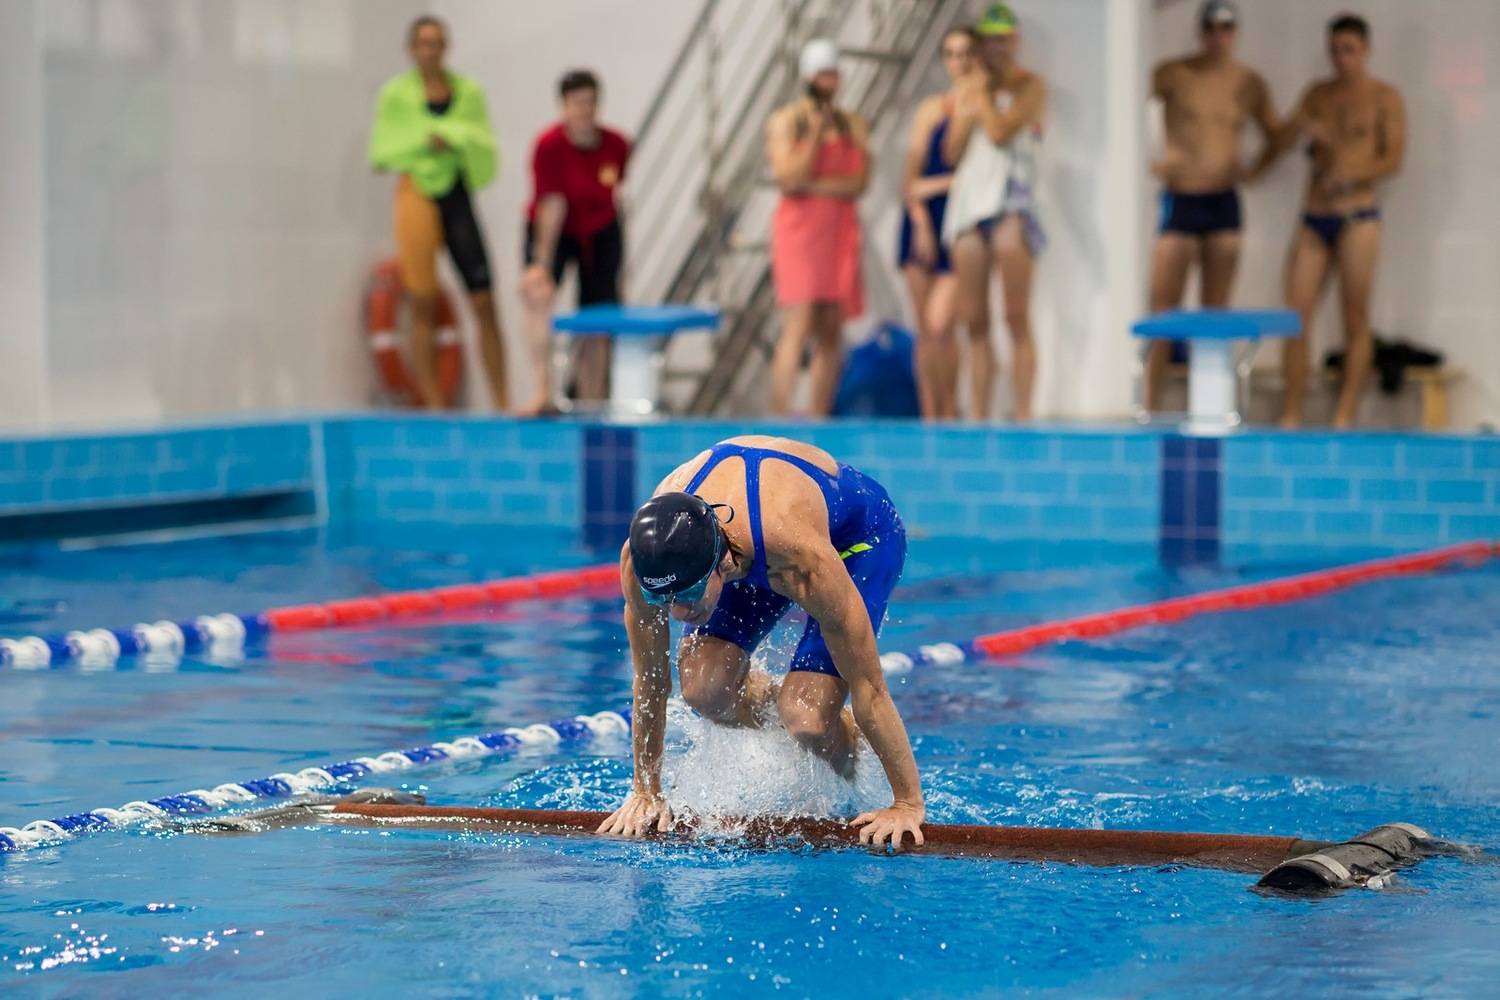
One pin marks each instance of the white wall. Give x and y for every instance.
(1439, 279)
(210, 219)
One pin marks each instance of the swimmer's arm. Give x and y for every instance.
(1283, 136)
(830, 597)
(915, 188)
(650, 634)
(1390, 141)
(1003, 126)
(849, 186)
(973, 93)
(1263, 112)
(792, 162)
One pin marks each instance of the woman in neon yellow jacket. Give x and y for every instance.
(432, 128)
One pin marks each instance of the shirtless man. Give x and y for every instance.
(810, 532)
(1207, 99)
(1355, 126)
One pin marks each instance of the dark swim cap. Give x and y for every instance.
(675, 542)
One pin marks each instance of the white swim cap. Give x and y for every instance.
(818, 55)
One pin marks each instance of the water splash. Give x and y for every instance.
(757, 772)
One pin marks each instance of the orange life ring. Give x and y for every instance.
(382, 315)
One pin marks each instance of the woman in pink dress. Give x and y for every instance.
(820, 161)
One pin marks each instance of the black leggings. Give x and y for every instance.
(464, 238)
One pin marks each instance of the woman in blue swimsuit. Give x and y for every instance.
(923, 259)
(730, 541)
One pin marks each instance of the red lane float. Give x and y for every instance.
(426, 603)
(1253, 595)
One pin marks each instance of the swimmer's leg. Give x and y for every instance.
(1171, 257)
(1358, 252)
(1306, 273)
(811, 705)
(719, 683)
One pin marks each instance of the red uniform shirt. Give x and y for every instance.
(586, 178)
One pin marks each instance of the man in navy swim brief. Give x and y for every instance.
(728, 543)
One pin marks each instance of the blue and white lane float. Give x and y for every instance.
(214, 635)
(578, 730)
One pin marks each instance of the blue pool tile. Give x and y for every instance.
(1401, 524)
(1111, 485)
(408, 500)
(1455, 491)
(1039, 483)
(1022, 447)
(1278, 521)
(557, 472)
(469, 501)
(432, 435)
(1068, 518)
(1469, 526)
(981, 482)
(1419, 455)
(1299, 451)
(1174, 502)
(1205, 499)
(1005, 520)
(1366, 453)
(22, 491)
(1384, 490)
(1255, 486)
(1079, 449)
(1246, 453)
(389, 467)
(1320, 488)
(494, 471)
(960, 445)
(199, 478)
(1484, 456)
(450, 470)
(1349, 524)
(1140, 449)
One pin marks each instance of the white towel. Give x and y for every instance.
(978, 189)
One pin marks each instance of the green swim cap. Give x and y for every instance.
(998, 19)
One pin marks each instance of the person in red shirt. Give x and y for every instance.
(577, 166)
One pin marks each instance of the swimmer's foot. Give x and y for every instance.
(1291, 422)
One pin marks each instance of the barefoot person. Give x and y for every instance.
(731, 540)
(1355, 126)
(431, 128)
(991, 216)
(820, 160)
(923, 259)
(1207, 99)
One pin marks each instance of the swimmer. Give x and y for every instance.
(1207, 99)
(1355, 126)
(728, 543)
(432, 129)
(922, 257)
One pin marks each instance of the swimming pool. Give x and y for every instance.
(1323, 718)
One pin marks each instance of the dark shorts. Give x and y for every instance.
(746, 614)
(598, 258)
(464, 238)
(1200, 214)
(1330, 228)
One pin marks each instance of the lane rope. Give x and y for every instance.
(227, 633)
(580, 729)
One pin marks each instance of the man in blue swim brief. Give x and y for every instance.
(728, 543)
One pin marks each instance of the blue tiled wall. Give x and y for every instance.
(1239, 498)
(40, 475)
(454, 470)
(1381, 491)
(996, 483)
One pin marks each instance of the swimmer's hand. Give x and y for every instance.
(880, 827)
(636, 816)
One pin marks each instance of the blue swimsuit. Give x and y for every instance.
(864, 527)
(933, 166)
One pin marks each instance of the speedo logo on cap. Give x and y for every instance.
(659, 581)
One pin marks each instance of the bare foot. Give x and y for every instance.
(1291, 422)
(537, 408)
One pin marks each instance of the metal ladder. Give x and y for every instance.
(701, 178)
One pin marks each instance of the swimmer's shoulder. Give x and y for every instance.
(678, 479)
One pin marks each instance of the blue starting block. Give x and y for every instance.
(1212, 333)
(639, 335)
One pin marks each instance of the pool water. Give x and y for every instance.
(1321, 718)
